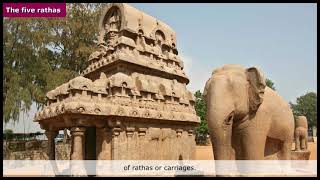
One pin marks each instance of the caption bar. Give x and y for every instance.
(159, 168)
(34, 9)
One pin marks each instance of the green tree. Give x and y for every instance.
(306, 105)
(270, 84)
(200, 107)
(8, 134)
(42, 53)
(8, 131)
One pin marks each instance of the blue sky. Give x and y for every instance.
(278, 38)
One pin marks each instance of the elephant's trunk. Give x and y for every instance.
(220, 114)
(221, 144)
(220, 127)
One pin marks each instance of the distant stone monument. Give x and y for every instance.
(301, 151)
(131, 102)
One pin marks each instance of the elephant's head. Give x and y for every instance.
(231, 94)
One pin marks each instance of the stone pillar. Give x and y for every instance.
(115, 143)
(123, 91)
(104, 138)
(130, 149)
(165, 143)
(142, 143)
(192, 144)
(51, 144)
(77, 152)
(178, 145)
(65, 135)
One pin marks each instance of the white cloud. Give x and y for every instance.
(196, 72)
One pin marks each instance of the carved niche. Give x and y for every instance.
(112, 24)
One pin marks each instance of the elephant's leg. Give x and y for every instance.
(306, 141)
(285, 151)
(297, 143)
(303, 143)
(253, 145)
(236, 144)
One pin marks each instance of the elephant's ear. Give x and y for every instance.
(256, 88)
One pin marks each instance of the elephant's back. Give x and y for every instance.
(301, 121)
(278, 105)
(281, 116)
(300, 131)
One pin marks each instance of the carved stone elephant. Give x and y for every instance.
(247, 120)
(301, 133)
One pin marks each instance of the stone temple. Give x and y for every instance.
(131, 102)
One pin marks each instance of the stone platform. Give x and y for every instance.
(300, 155)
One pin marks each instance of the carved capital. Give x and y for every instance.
(190, 132)
(179, 132)
(142, 131)
(78, 131)
(116, 131)
(130, 131)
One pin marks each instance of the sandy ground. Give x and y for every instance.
(205, 152)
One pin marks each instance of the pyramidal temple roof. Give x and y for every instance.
(134, 20)
(135, 73)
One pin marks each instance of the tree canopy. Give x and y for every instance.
(270, 84)
(8, 131)
(42, 53)
(200, 107)
(306, 105)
